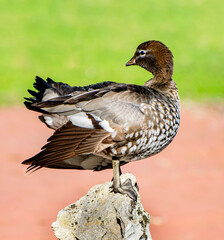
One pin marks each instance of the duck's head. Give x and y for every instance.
(155, 57)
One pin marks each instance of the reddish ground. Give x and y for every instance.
(181, 188)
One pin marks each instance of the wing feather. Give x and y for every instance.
(119, 103)
(68, 142)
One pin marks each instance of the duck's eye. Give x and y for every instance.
(142, 53)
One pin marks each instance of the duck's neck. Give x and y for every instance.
(162, 74)
(160, 79)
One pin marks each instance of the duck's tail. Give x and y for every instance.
(45, 90)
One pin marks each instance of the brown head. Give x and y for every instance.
(155, 57)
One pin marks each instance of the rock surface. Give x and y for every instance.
(103, 215)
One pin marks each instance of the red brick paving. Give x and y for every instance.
(181, 188)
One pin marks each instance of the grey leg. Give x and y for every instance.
(126, 187)
(116, 175)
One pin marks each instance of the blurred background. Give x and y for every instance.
(82, 42)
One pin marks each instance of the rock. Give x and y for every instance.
(103, 215)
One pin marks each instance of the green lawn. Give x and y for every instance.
(87, 41)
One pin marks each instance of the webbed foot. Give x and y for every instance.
(127, 188)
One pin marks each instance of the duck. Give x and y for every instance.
(108, 124)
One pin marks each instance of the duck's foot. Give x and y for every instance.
(127, 188)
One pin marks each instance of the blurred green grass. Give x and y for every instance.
(84, 41)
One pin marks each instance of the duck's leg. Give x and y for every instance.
(126, 187)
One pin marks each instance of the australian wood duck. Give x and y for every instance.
(109, 124)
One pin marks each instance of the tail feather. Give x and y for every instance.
(37, 96)
(40, 84)
(50, 81)
(33, 108)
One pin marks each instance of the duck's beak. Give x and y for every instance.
(131, 62)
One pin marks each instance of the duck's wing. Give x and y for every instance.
(50, 89)
(123, 104)
(95, 123)
(73, 147)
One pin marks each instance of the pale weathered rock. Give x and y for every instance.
(103, 215)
